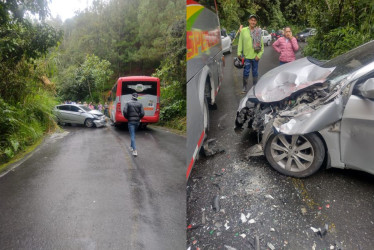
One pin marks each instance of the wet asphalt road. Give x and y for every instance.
(341, 199)
(83, 190)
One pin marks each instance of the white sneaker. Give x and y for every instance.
(135, 153)
(131, 149)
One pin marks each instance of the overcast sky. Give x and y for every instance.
(66, 8)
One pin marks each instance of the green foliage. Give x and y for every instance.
(86, 81)
(343, 26)
(26, 99)
(172, 73)
(21, 124)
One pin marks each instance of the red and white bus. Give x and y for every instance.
(148, 89)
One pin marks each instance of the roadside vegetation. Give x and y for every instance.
(341, 24)
(46, 61)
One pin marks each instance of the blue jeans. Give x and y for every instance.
(281, 63)
(247, 67)
(133, 126)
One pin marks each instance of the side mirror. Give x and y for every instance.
(367, 89)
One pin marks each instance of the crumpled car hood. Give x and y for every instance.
(281, 82)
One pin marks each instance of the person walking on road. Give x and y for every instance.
(251, 46)
(133, 112)
(286, 46)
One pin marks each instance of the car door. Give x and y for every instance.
(76, 115)
(357, 133)
(63, 113)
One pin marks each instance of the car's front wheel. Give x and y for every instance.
(89, 123)
(295, 155)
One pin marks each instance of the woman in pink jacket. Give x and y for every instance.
(286, 46)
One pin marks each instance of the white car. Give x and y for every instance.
(266, 37)
(226, 42)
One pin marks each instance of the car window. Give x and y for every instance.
(64, 107)
(74, 109)
(86, 108)
(265, 33)
(223, 32)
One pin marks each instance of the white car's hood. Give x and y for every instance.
(281, 82)
(95, 112)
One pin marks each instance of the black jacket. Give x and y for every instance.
(133, 111)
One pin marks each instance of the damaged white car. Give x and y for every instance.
(310, 113)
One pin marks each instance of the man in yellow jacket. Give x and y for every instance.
(251, 46)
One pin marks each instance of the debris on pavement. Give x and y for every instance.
(216, 207)
(271, 246)
(268, 196)
(251, 221)
(211, 147)
(243, 235)
(257, 243)
(243, 218)
(229, 248)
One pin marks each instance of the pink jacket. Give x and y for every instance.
(286, 48)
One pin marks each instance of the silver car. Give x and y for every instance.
(310, 113)
(79, 114)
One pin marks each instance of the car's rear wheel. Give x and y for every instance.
(295, 155)
(89, 123)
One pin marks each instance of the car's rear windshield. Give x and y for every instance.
(140, 87)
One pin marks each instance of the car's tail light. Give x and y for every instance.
(118, 108)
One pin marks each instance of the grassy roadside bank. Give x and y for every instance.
(21, 155)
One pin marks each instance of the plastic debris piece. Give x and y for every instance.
(268, 196)
(248, 215)
(218, 225)
(243, 236)
(229, 248)
(243, 218)
(191, 227)
(319, 208)
(237, 234)
(251, 221)
(303, 211)
(194, 242)
(272, 230)
(271, 246)
(226, 225)
(315, 229)
(257, 243)
(189, 248)
(332, 247)
(211, 231)
(328, 206)
(211, 148)
(216, 207)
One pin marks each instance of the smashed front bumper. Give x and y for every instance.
(100, 122)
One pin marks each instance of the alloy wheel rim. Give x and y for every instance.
(293, 153)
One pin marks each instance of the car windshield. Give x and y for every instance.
(85, 108)
(305, 31)
(349, 62)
